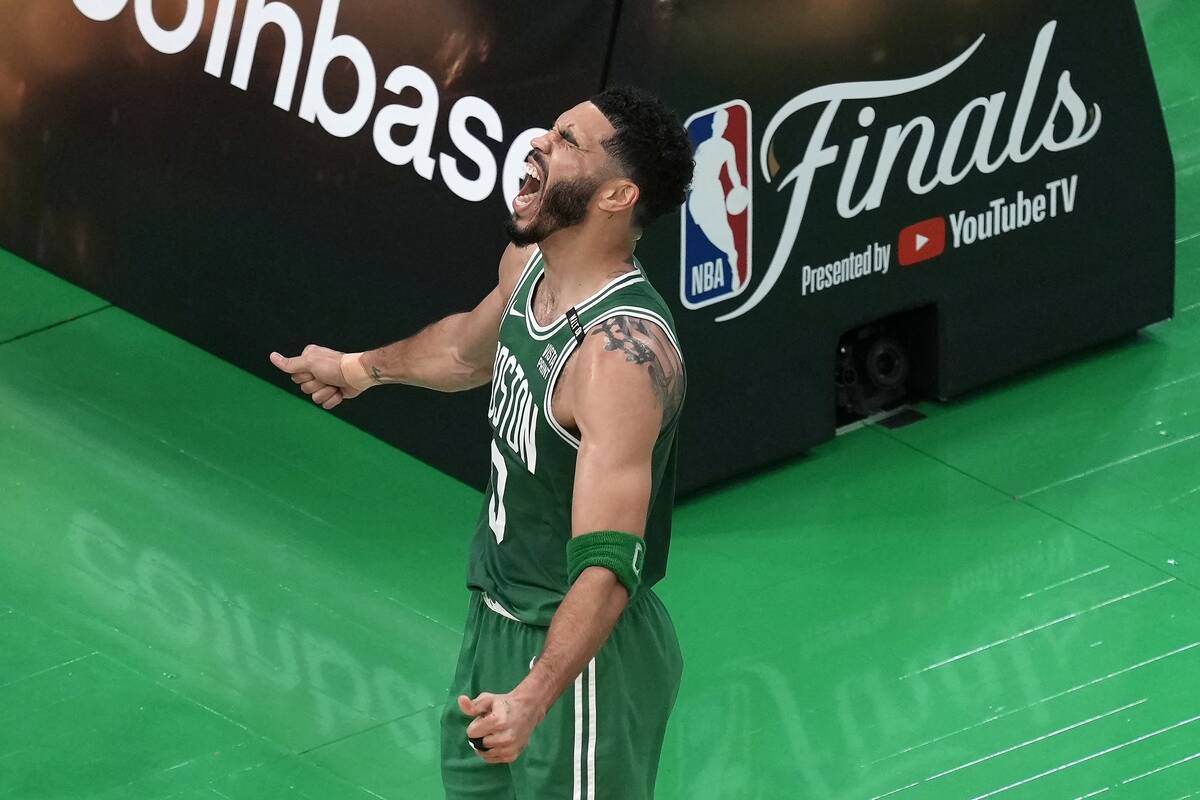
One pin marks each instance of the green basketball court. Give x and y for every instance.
(210, 588)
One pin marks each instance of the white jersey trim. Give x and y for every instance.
(512, 301)
(540, 333)
(619, 311)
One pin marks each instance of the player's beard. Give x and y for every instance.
(565, 204)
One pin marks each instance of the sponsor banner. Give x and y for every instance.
(981, 164)
(259, 176)
(874, 259)
(982, 138)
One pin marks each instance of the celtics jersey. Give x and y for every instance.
(519, 553)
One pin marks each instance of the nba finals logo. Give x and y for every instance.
(715, 235)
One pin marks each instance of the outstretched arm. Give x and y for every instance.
(450, 355)
(626, 384)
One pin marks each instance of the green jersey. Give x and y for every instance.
(519, 553)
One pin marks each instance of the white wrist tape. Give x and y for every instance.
(354, 373)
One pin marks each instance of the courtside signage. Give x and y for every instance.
(927, 239)
(394, 123)
(715, 223)
(922, 241)
(992, 130)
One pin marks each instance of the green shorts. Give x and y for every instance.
(600, 741)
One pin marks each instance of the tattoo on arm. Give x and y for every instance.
(646, 344)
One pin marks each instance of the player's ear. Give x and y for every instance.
(618, 195)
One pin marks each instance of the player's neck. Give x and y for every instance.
(581, 259)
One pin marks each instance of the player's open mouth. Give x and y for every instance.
(530, 189)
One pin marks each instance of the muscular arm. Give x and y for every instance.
(626, 382)
(451, 355)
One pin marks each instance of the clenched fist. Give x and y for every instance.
(502, 726)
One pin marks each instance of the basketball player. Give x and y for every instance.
(569, 666)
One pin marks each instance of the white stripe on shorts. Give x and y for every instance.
(585, 684)
(578, 737)
(591, 752)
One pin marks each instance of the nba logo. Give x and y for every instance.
(714, 241)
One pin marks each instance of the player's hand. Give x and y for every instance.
(504, 722)
(318, 371)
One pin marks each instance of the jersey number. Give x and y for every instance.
(496, 505)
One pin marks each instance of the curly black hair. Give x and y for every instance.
(651, 146)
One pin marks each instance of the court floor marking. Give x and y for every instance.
(1007, 750)
(1174, 381)
(1182, 102)
(1179, 497)
(1027, 595)
(895, 791)
(1036, 628)
(1160, 769)
(1110, 464)
(1046, 699)
(1041, 738)
(1084, 759)
(40, 672)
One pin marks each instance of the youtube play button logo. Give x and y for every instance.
(922, 241)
